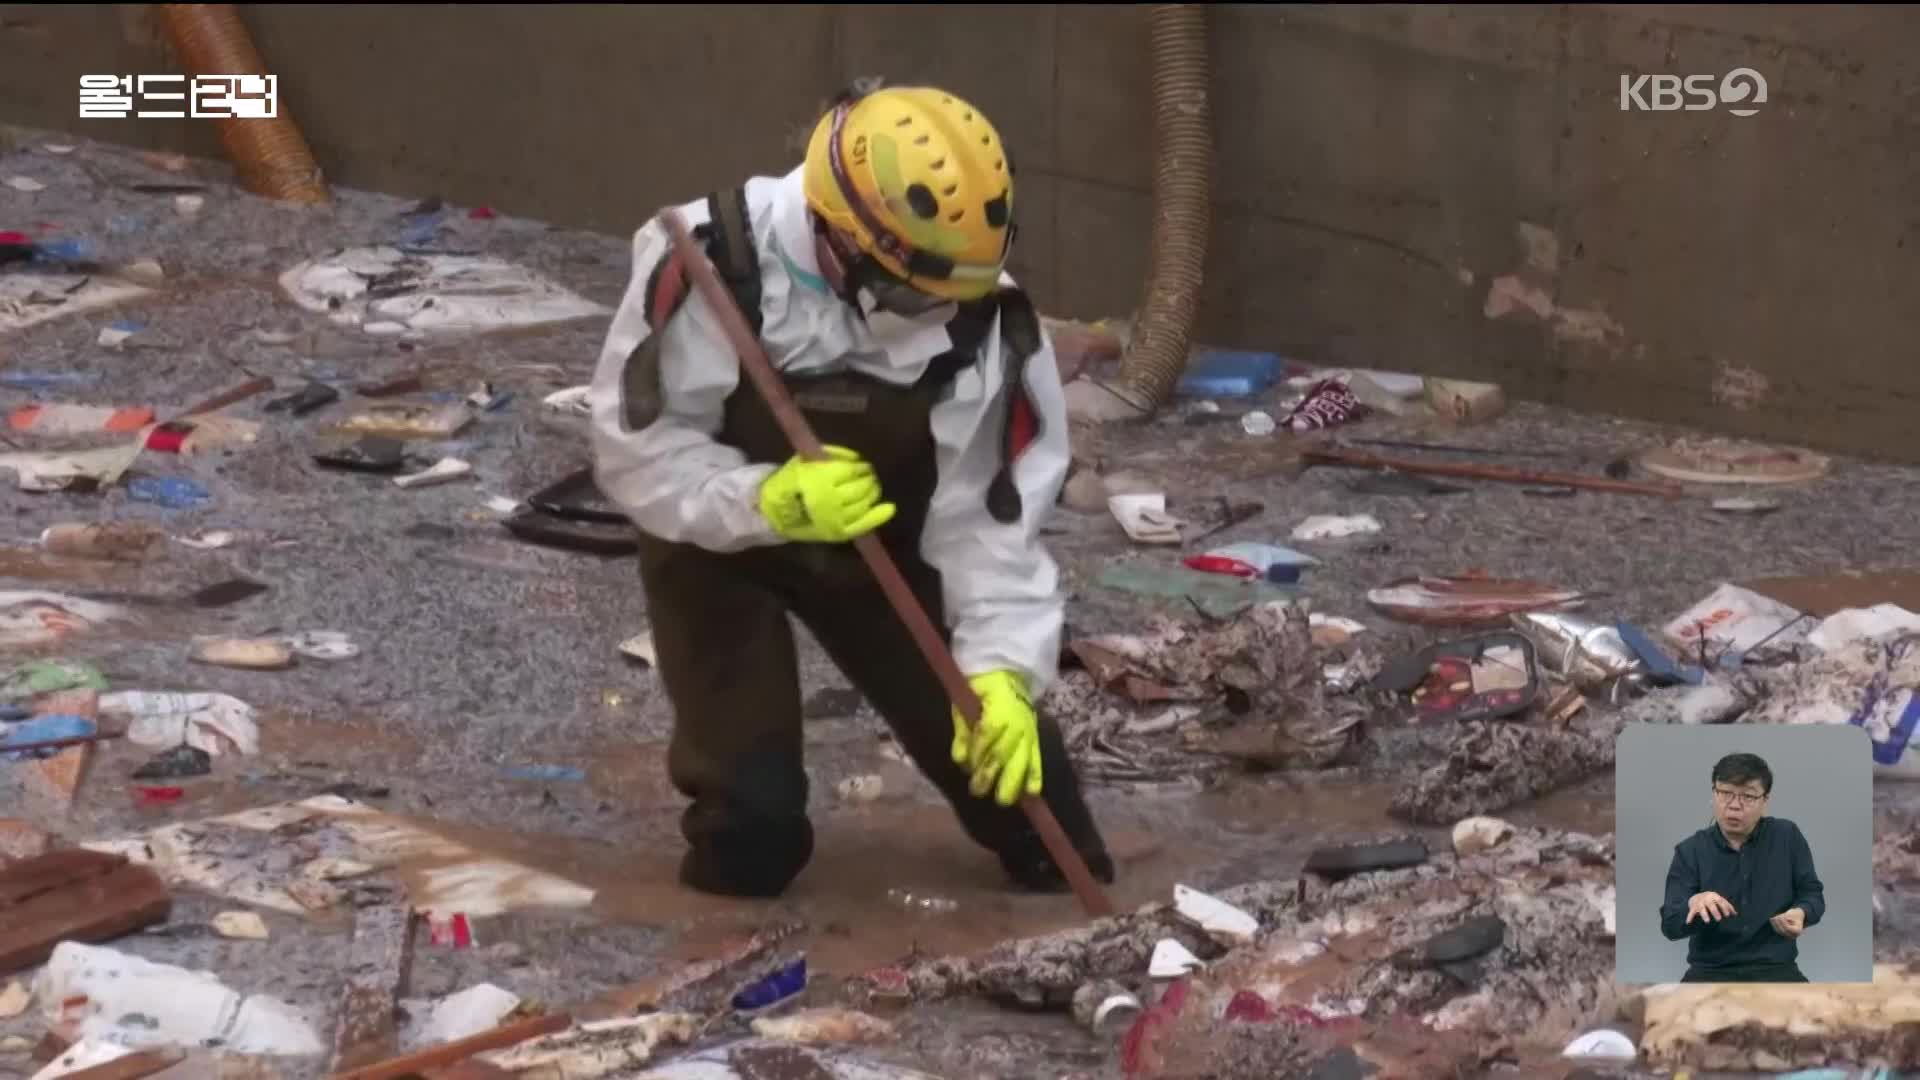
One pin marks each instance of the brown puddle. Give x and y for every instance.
(1243, 832)
(1827, 593)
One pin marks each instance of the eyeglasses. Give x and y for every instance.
(1738, 798)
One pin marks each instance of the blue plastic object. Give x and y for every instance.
(1225, 373)
(63, 250)
(44, 729)
(550, 773)
(773, 989)
(1659, 665)
(172, 492)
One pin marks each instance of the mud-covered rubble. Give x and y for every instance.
(1183, 697)
(1492, 765)
(1354, 952)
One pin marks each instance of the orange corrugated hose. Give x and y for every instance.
(272, 158)
(1182, 191)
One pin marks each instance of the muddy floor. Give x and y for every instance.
(480, 653)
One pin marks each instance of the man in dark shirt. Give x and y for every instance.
(1744, 888)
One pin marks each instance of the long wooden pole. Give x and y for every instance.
(1354, 459)
(753, 360)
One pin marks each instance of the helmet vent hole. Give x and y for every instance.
(997, 214)
(967, 117)
(940, 164)
(950, 190)
(903, 121)
(998, 165)
(984, 140)
(920, 197)
(956, 216)
(922, 140)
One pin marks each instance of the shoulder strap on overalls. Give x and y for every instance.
(730, 246)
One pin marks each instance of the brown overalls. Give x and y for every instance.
(727, 655)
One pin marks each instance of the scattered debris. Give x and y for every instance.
(640, 647)
(1735, 623)
(1268, 562)
(1768, 1027)
(1477, 678)
(1591, 655)
(171, 492)
(1746, 506)
(1478, 834)
(122, 541)
(1493, 765)
(824, 1026)
(14, 1000)
(860, 789)
(1327, 403)
(550, 774)
(442, 471)
(1602, 1045)
(430, 293)
(310, 398)
(1727, 461)
(217, 855)
(26, 184)
(212, 723)
(1222, 921)
(68, 420)
(250, 654)
(179, 763)
(1145, 518)
(1466, 402)
(467, 1013)
(571, 401)
(47, 618)
(1328, 527)
(1171, 960)
(1225, 373)
(410, 421)
(1467, 601)
(243, 925)
(1258, 423)
(601, 1048)
(325, 645)
(379, 961)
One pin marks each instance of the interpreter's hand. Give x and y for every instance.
(1709, 907)
(831, 501)
(1002, 752)
(1790, 923)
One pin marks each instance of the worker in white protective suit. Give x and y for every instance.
(874, 275)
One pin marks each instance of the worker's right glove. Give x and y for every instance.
(824, 502)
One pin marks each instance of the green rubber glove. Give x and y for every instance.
(1002, 752)
(824, 502)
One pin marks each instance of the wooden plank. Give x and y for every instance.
(43, 873)
(378, 965)
(73, 896)
(134, 1066)
(461, 1049)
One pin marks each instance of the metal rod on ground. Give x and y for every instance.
(1355, 460)
(754, 362)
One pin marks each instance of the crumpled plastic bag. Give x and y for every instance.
(205, 721)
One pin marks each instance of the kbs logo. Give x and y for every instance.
(1695, 93)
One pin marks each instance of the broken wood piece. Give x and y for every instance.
(1491, 766)
(702, 979)
(461, 1049)
(58, 777)
(230, 397)
(73, 895)
(134, 1066)
(378, 964)
(1499, 474)
(468, 1070)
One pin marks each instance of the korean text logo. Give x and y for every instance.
(1741, 88)
(211, 97)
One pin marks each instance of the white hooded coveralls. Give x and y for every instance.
(677, 483)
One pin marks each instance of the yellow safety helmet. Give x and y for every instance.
(918, 178)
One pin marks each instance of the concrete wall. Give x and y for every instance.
(1442, 189)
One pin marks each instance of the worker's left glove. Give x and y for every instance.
(1002, 752)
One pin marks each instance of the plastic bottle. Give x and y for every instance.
(912, 901)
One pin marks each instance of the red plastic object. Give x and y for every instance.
(14, 238)
(1216, 564)
(1137, 1053)
(481, 213)
(1249, 1006)
(159, 794)
(168, 438)
(452, 931)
